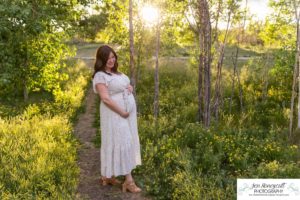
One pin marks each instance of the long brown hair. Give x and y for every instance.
(102, 57)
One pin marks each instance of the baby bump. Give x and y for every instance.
(119, 100)
(124, 100)
(130, 103)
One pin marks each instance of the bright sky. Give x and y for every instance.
(259, 8)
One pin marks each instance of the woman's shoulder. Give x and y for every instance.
(109, 75)
(102, 74)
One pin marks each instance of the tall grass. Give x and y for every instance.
(38, 158)
(38, 150)
(183, 160)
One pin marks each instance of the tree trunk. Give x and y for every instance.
(234, 62)
(219, 72)
(297, 63)
(240, 91)
(215, 37)
(25, 72)
(156, 76)
(293, 96)
(205, 28)
(297, 59)
(295, 77)
(138, 73)
(266, 79)
(25, 91)
(200, 80)
(131, 43)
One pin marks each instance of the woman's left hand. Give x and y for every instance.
(130, 88)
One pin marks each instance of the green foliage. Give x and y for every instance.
(38, 157)
(280, 27)
(115, 30)
(90, 26)
(181, 159)
(38, 150)
(31, 36)
(45, 54)
(277, 34)
(278, 170)
(68, 100)
(266, 84)
(187, 161)
(96, 124)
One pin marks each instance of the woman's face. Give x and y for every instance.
(111, 61)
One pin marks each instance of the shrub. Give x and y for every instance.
(38, 158)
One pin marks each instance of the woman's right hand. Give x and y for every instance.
(125, 114)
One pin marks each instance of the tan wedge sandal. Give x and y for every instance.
(131, 187)
(109, 181)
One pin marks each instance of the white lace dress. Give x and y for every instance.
(120, 146)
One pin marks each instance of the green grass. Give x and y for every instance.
(37, 146)
(96, 124)
(90, 49)
(88, 46)
(186, 160)
(12, 107)
(243, 51)
(38, 157)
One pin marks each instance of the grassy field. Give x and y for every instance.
(37, 146)
(174, 153)
(184, 160)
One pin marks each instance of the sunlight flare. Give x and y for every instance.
(149, 14)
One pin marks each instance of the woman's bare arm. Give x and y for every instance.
(103, 93)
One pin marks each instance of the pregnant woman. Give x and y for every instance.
(120, 146)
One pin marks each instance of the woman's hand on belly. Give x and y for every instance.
(125, 114)
(109, 102)
(129, 88)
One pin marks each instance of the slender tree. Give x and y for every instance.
(131, 47)
(236, 75)
(205, 52)
(297, 55)
(296, 74)
(235, 56)
(200, 79)
(265, 77)
(199, 10)
(219, 10)
(217, 97)
(156, 76)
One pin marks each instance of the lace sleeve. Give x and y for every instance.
(99, 78)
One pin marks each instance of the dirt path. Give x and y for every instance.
(89, 160)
